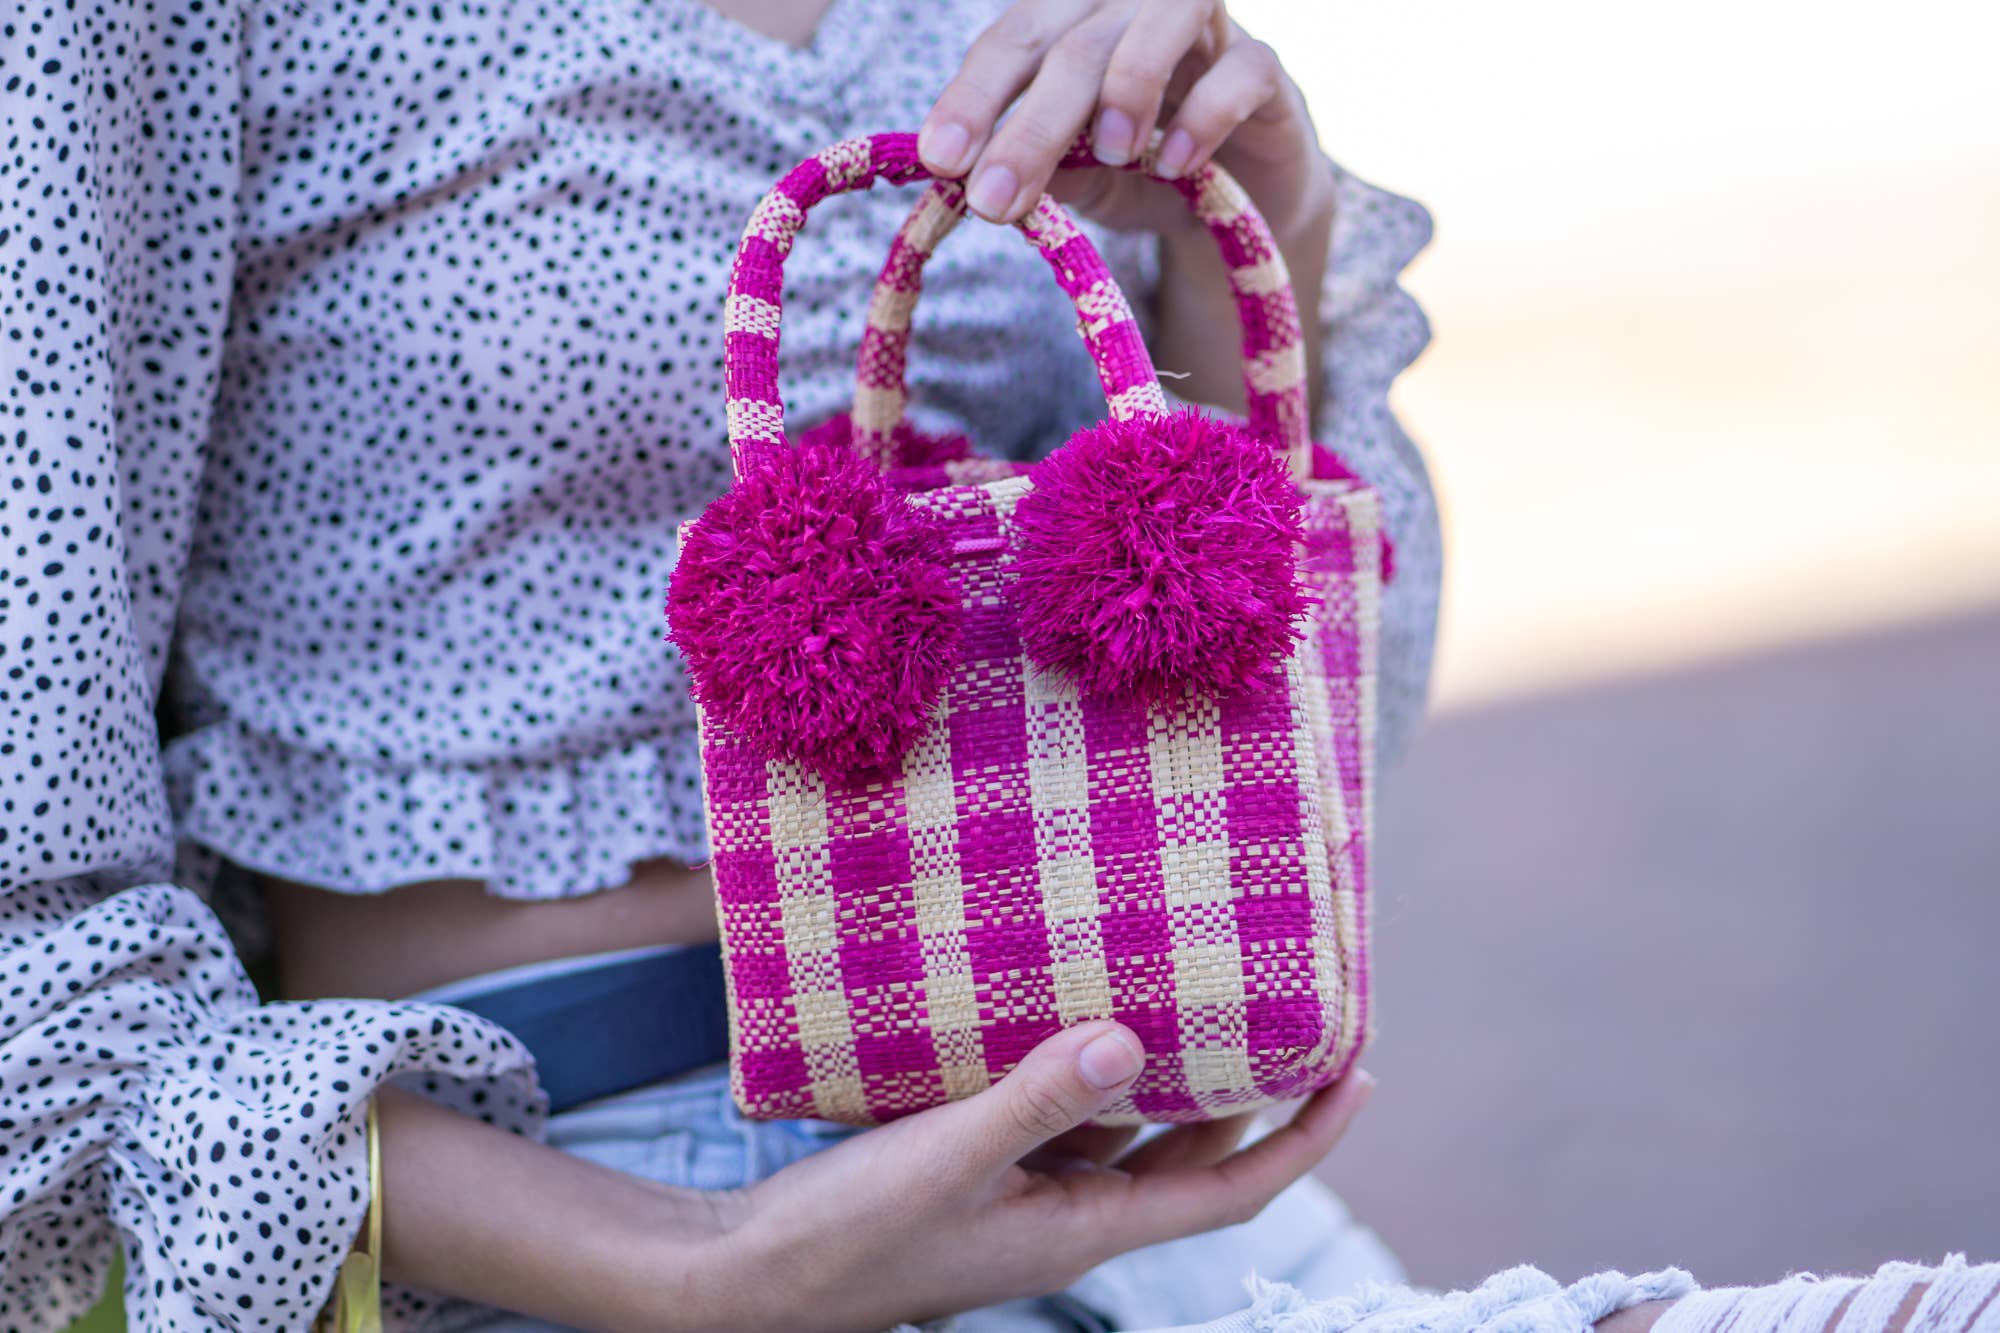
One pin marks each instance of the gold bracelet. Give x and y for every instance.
(357, 1293)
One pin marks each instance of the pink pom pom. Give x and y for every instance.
(1159, 555)
(817, 610)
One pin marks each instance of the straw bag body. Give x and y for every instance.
(991, 749)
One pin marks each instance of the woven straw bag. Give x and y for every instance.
(991, 748)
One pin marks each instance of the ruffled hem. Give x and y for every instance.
(530, 830)
(224, 1140)
(1519, 1300)
(1373, 331)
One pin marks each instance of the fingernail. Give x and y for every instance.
(992, 191)
(1112, 1059)
(1175, 154)
(945, 148)
(1112, 143)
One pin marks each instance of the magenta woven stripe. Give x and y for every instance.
(1266, 319)
(751, 358)
(805, 185)
(903, 271)
(881, 351)
(759, 270)
(996, 836)
(1243, 241)
(1265, 804)
(868, 846)
(1136, 926)
(767, 1065)
(925, 477)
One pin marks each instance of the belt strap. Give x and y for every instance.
(601, 1030)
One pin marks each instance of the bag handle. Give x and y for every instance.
(754, 310)
(1274, 369)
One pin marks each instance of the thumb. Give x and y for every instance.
(1057, 1086)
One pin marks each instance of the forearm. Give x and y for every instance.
(1198, 332)
(473, 1211)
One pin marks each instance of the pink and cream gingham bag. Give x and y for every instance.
(994, 748)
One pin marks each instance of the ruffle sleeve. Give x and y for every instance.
(1372, 330)
(144, 1093)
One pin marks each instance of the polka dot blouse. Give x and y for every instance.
(360, 358)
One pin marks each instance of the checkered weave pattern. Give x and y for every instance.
(899, 938)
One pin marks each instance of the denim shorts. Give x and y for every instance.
(686, 1132)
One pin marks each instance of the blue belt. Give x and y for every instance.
(617, 1026)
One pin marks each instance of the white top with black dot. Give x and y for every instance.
(359, 361)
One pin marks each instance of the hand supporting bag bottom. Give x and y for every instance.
(991, 749)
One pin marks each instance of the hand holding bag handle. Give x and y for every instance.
(1274, 370)
(754, 310)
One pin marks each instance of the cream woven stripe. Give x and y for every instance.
(1262, 278)
(1184, 752)
(1278, 370)
(1101, 306)
(744, 313)
(950, 999)
(1222, 199)
(889, 309)
(877, 409)
(846, 162)
(1066, 870)
(751, 419)
(799, 844)
(936, 214)
(1139, 400)
(777, 219)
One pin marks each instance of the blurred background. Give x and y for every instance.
(1688, 903)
